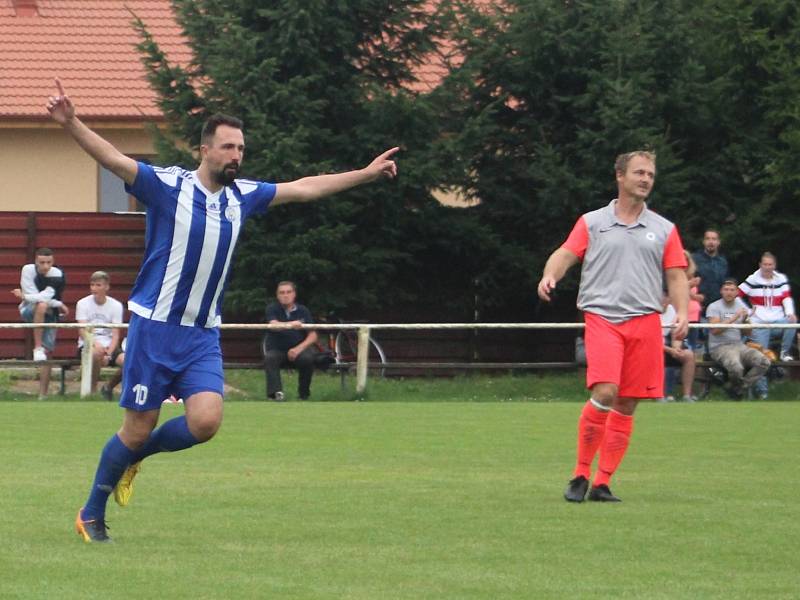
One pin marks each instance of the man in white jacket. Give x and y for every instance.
(40, 288)
(768, 292)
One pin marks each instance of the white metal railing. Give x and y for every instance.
(363, 329)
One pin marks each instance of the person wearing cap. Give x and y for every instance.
(99, 307)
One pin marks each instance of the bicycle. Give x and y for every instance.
(342, 345)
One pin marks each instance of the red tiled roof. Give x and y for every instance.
(431, 73)
(90, 46)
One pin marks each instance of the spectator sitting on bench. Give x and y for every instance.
(294, 346)
(40, 288)
(99, 307)
(770, 295)
(677, 354)
(118, 359)
(745, 365)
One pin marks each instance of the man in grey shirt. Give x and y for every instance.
(627, 253)
(745, 365)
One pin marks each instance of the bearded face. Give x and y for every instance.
(223, 154)
(227, 174)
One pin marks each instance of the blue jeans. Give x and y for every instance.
(763, 336)
(48, 333)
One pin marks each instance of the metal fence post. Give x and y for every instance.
(362, 360)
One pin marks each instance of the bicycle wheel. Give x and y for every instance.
(347, 352)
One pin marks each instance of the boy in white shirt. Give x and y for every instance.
(99, 307)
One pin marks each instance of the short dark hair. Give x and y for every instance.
(730, 281)
(214, 121)
(711, 230)
(44, 252)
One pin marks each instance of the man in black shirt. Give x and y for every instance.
(712, 267)
(293, 346)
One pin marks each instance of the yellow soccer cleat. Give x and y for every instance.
(93, 530)
(124, 488)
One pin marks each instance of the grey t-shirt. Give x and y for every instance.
(623, 264)
(724, 311)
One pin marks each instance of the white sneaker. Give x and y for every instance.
(786, 357)
(39, 354)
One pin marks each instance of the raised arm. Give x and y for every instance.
(62, 111)
(313, 188)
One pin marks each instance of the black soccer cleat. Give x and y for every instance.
(576, 489)
(601, 493)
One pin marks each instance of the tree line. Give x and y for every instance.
(538, 99)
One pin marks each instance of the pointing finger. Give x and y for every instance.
(389, 152)
(60, 88)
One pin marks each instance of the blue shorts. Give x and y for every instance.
(163, 359)
(48, 333)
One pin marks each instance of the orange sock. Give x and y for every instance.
(615, 442)
(591, 426)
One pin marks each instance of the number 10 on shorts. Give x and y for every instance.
(141, 393)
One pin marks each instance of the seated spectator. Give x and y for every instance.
(745, 365)
(695, 302)
(99, 307)
(676, 354)
(769, 294)
(118, 359)
(293, 346)
(40, 288)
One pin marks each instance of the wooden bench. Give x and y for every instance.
(341, 368)
(68, 364)
(64, 364)
(704, 376)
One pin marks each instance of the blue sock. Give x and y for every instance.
(114, 459)
(172, 436)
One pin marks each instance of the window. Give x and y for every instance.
(113, 197)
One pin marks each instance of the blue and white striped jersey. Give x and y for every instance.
(189, 241)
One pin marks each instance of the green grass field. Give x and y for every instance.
(434, 499)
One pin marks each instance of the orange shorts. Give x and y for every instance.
(628, 354)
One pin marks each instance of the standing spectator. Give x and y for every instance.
(40, 288)
(292, 346)
(768, 292)
(628, 251)
(745, 365)
(712, 267)
(99, 307)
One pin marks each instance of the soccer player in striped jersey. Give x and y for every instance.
(193, 221)
(627, 252)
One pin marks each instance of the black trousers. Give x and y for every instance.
(274, 360)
